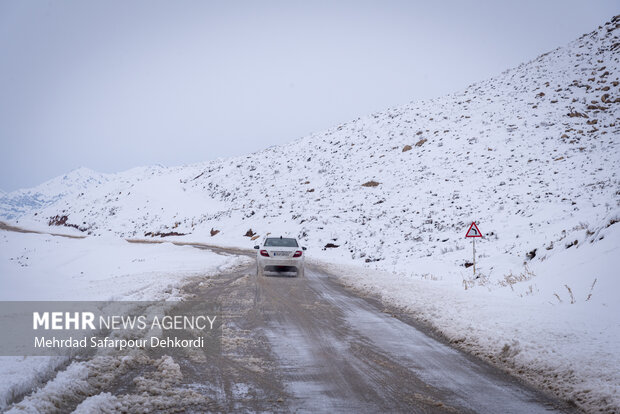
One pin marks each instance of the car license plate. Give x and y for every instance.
(280, 253)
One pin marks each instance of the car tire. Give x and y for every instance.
(300, 272)
(260, 272)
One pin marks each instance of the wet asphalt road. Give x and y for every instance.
(310, 345)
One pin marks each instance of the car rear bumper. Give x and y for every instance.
(274, 263)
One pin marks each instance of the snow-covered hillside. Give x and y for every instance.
(531, 155)
(20, 202)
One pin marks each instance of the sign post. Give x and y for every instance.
(473, 232)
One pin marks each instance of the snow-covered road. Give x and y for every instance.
(310, 345)
(339, 352)
(332, 351)
(292, 345)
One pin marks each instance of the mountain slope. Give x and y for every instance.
(534, 148)
(531, 155)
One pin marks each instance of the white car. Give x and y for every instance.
(280, 254)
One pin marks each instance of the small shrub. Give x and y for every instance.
(591, 289)
(58, 221)
(570, 292)
(511, 279)
(63, 221)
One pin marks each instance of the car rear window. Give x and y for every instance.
(281, 242)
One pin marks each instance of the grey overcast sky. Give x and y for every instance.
(110, 85)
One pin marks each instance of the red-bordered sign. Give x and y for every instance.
(473, 231)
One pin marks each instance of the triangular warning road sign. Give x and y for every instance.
(473, 231)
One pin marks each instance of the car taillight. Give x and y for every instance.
(297, 253)
(264, 253)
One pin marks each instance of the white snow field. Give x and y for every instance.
(531, 155)
(44, 267)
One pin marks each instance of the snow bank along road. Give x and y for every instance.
(307, 344)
